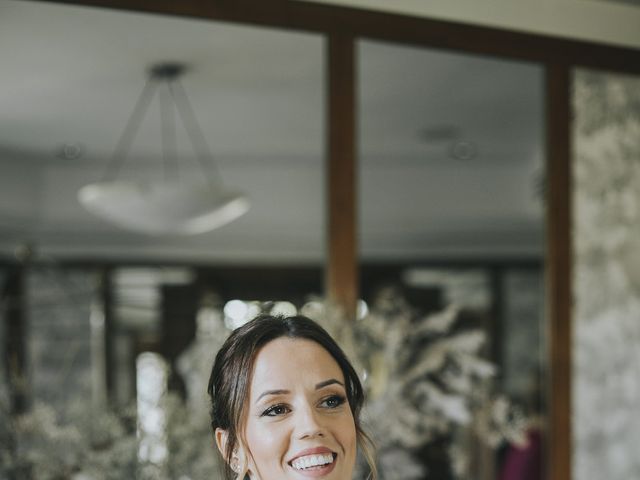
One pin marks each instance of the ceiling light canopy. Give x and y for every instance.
(172, 205)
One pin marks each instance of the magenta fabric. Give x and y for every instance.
(524, 463)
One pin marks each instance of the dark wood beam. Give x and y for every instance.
(559, 268)
(324, 19)
(341, 275)
(106, 295)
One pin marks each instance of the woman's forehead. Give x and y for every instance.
(286, 363)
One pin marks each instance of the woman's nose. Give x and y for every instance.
(309, 424)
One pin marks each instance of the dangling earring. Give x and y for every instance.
(235, 462)
(236, 466)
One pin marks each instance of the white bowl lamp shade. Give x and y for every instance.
(160, 208)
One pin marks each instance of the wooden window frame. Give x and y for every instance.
(341, 27)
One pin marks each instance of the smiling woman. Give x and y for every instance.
(286, 403)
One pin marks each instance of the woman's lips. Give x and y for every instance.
(314, 465)
(311, 451)
(314, 462)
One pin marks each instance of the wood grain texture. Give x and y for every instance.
(310, 17)
(341, 274)
(558, 271)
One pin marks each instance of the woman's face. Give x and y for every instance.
(299, 424)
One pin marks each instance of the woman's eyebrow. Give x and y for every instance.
(331, 381)
(320, 385)
(272, 392)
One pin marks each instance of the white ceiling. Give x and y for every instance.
(70, 76)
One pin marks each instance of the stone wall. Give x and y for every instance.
(606, 363)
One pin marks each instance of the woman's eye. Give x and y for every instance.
(334, 401)
(275, 410)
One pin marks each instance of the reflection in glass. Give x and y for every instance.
(259, 95)
(58, 305)
(452, 216)
(151, 387)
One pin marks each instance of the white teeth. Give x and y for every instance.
(307, 461)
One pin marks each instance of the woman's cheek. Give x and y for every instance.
(266, 436)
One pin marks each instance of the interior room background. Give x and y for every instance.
(106, 334)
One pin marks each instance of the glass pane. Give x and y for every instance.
(606, 385)
(71, 84)
(71, 78)
(452, 216)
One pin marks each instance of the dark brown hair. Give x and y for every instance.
(232, 369)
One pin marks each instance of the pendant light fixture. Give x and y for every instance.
(172, 205)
